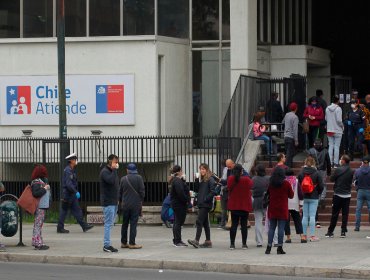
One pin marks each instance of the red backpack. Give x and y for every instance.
(307, 184)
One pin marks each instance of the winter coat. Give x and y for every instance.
(180, 193)
(260, 186)
(240, 195)
(342, 178)
(316, 112)
(278, 206)
(206, 192)
(316, 179)
(109, 186)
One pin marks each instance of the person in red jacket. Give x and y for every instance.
(279, 190)
(239, 203)
(315, 115)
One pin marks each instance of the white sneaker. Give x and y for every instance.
(368, 237)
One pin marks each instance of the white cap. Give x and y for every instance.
(71, 156)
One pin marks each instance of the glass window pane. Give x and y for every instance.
(205, 20)
(225, 19)
(9, 19)
(173, 20)
(75, 17)
(104, 17)
(38, 18)
(138, 17)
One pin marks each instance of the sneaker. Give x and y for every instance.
(2, 247)
(318, 225)
(62, 230)
(343, 235)
(357, 229)
(180, 244)
(368, 237)
(314, 239)
(245, 247)
(87, 228)
(135, 246)
(124, 246)
(110, 249)
(232, 247)
(194, 243)
(336, 165)
(329, 235)
(41, 247)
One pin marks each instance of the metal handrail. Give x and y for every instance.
(241, 152)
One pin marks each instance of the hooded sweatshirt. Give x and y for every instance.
(333, 116)
(362, 178)
(316, 179)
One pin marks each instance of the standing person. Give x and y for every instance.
(2, 246)
(131, 194)
(335, 128)
(366, 110)
(321, 101)
(40, 189)
(205, 187)
(260, 186)
(258, 132)
(362, 184)
(342, 178)
(109, 184)
(274, 109)
(291, 133)
(323, 165)
(279, 190)
(314, 114)
(312, 186)
(240, 204)
(355, 124)
(180, 199)
(293, 206)
(71, 195)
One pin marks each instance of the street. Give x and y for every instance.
(21, 271)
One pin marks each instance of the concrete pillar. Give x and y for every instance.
(243, 33)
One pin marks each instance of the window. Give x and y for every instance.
(173, 20)
(9, 19)
(104, 18)
(38, 18)
(75, 18)
(205, 20)
(138, 17)
(225, 19)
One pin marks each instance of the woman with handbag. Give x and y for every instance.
(40, 189)
(205, 187)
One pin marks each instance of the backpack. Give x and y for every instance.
(307, 184)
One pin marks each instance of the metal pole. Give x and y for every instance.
(61, 88)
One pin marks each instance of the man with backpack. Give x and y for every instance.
(342, 179)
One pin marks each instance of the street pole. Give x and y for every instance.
(61, 90)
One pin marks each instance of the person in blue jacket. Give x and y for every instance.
(71, 196)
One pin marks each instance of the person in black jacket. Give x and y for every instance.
(274, 109)
(40, 189)
(342, 179)
(205, 187)
(109, 183)
(180, 200)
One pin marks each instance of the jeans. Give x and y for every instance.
(334, 145)
(297, 223)
(203, 221)
(130, 215)
(237, 216)
(180, 216)
(280, 224)
(362, 196)
(309, 213)
(267, 142)
(289, 148)
(109, 214)
(258, 218)
(339, 203)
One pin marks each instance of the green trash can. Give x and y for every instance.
(9, 218)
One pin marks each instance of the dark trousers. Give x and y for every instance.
(237, 216)
(75, 210)
(203, 222)
(312, 135)
(338, 205)
(180, 216)
(224, 210)
(130, 216)
(289, 148)
(297, 223)
(355, 138)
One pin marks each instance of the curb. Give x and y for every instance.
(191, 266)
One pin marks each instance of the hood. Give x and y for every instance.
(308, 170)
(365, 170)
(332, 107)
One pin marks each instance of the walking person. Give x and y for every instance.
(240, 204)
(335, 128)
(362, 185)
(312, 186)
(180, 200)
(342, 178)
(260, 186)
(323, 165)
(109, 184)
(279, 191)
(314, 114)
(293, 206)
(131, 196)
(40, 189)
(71, 195)
(205, 187)
(291, 133)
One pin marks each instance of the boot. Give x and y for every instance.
(62, 230)
(206, 244)
(280, 250)
(194, 243)
(268, 250)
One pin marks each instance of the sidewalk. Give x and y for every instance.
(339, 258)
